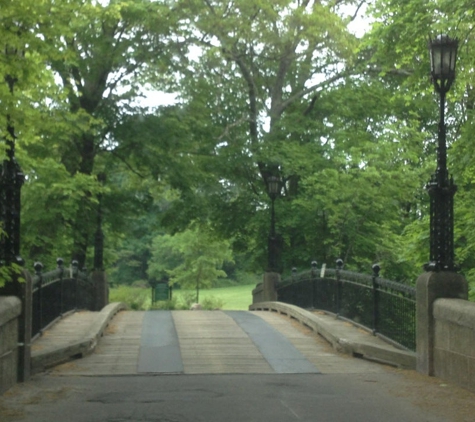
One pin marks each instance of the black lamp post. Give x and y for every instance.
(99, 235)
(273, 187)
(441, 188)
(11, 182)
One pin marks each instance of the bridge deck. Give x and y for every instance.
(89, 388)
(210, 342)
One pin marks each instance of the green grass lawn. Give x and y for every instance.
(233, 298)
(229, 298)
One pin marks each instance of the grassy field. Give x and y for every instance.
(229, 298)
(233, 298)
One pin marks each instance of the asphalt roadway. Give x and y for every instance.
(217, 398)
(122, 381)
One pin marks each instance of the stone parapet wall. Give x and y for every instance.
(342, 335)
(10, 310)
(454, 341)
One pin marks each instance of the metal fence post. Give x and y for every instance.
(153, 284)
(339, 266)
(376, 268)
(60, 262)
(75, 276)
(86, 292)
(99, 235)
(38, 266)
(314, 283)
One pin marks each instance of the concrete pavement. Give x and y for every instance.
(106, 385)
(216, 398)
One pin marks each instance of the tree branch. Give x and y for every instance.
(113, 152)
(311, 89)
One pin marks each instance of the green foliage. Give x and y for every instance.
(212, 303)
(9, 273)
(186, 298)
(191, 259)
(136, 298)
(238, 277)
(348, 124)
(232, 298)
(471, 291)
(168, 305)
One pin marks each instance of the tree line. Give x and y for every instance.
(346, 120)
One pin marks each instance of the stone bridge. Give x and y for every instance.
(204, 342)
(213, 366)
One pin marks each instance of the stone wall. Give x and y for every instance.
(454, 341)
(430, 287)
(10, 310)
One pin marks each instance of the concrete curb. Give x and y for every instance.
(50, 357)
(343, 337)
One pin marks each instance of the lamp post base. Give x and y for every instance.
(269, 284)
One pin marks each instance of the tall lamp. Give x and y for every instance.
(273, 187)
(441, 188)
(11, 178)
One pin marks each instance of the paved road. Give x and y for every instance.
(215, 367)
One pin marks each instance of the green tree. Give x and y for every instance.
(260, 69)
(27, 86)
(192, 259)
(398, 44)
(100, 62)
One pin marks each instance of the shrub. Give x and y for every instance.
(212, 302)
(169, 305)
(187, 298)
(137, 299)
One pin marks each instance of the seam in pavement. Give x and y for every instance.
(54, 355)
(343, 336)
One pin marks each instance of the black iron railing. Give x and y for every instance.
(385, 307)
(57, 292)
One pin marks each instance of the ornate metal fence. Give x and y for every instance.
(386, 307)
(57, 292)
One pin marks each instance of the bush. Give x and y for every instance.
(137, 299)
(142, 284)
(240, 278)
(187, 298)
(211, 302)
(169, 305)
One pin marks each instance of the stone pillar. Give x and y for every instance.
(431, 286)
(26, 322)
(101, 290)
(24, 292)
(10, 311)
(271, 279)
